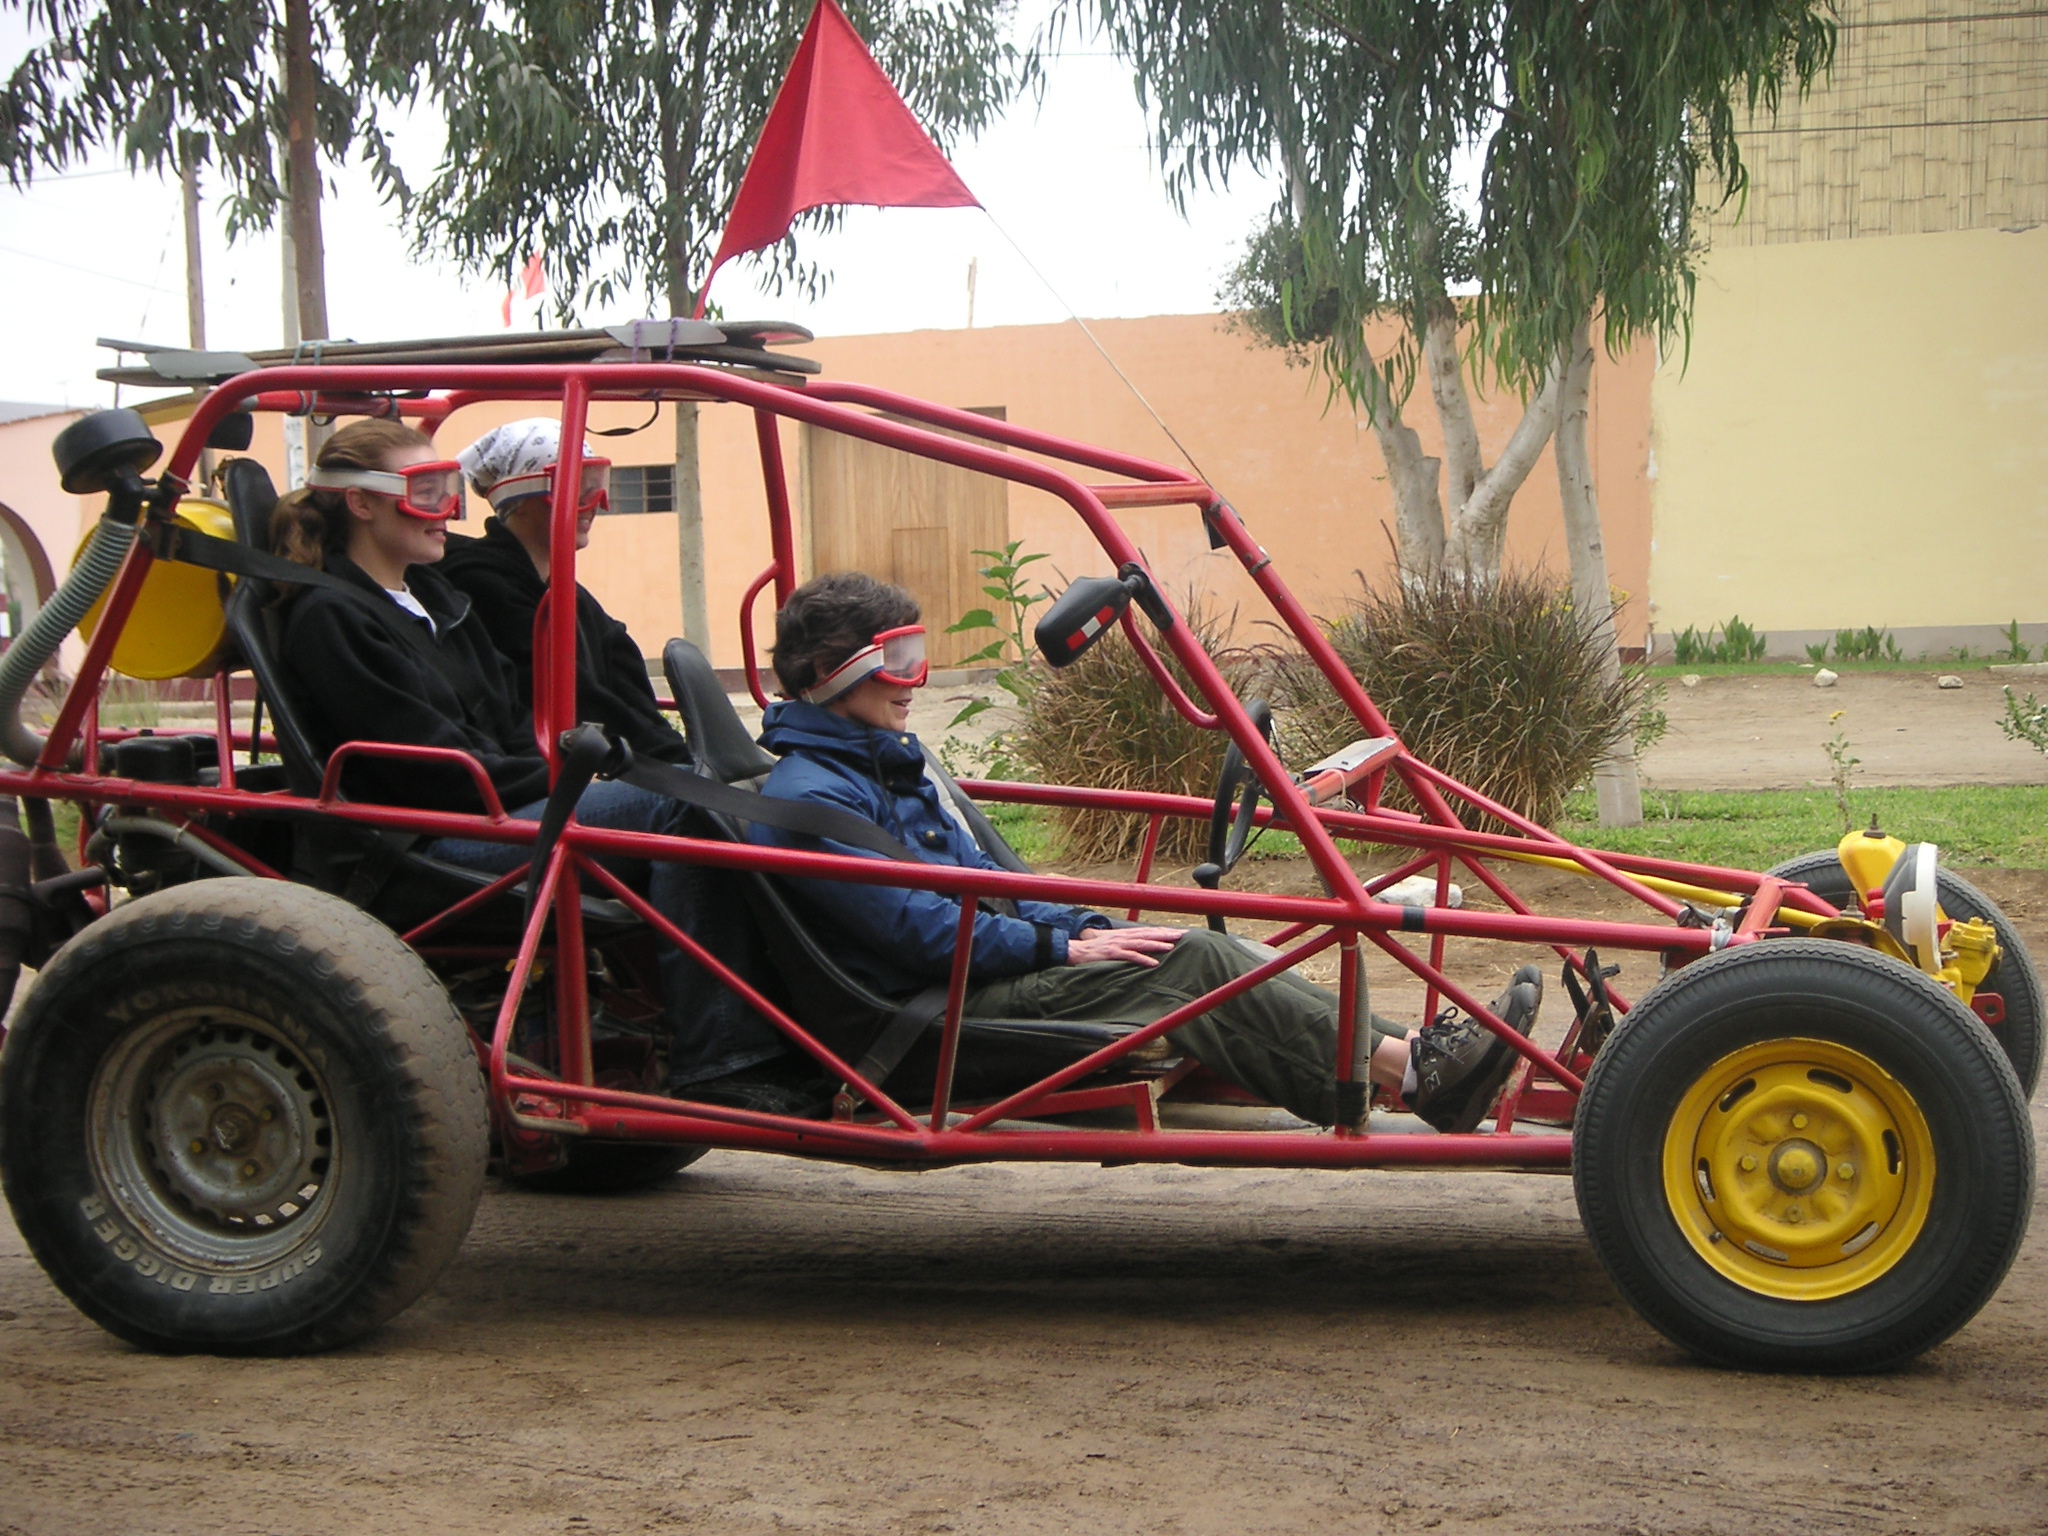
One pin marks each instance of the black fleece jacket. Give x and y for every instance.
(359, 679)
(611, 678)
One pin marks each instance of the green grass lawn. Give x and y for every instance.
(2003, 824)
(1995, 825)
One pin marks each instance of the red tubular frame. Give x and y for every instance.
(1348, 914)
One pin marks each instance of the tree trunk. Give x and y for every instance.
(679, 131)
(1616, 789)
(1479, 528)
(1463, 458)
(1418, 509)
(302, 174)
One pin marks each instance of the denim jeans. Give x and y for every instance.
(712, 1032)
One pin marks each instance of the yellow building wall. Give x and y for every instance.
(1859, 437)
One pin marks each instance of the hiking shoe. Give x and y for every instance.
(773, 1089)
(1460, 1065)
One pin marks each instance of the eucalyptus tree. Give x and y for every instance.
(1358, 108)
(1612, 116)
(1595, 121)
(258, 90)
(614, 133)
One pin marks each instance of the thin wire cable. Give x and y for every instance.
(1094, 341)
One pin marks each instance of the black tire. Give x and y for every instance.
(1661, 1168)
(2013, 976)
(240, 1116)
(610, 1168)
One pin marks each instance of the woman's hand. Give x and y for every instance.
(1139, 946)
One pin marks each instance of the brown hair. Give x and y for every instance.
(828, 618)
(309, 525)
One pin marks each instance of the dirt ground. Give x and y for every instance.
(766, 1346)
(1767, 732)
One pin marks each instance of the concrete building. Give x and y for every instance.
(1859, 435)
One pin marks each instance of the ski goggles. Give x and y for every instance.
(896, 657)
(594, 495)
(430, 492)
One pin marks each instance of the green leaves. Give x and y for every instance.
(1593, 121)
(162, 81)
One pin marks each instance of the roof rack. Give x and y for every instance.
(741, 345)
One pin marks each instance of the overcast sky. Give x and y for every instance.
(97, 252)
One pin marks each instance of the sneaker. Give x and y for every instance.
(772, 1089)
(1460, 1065)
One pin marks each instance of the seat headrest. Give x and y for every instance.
(251, 498)
(718, 740)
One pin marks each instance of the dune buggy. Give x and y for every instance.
(248, 1102)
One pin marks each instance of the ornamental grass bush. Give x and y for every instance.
(1496, 684)
(1103, 723)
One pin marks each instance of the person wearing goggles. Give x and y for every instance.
(505, 574)
(400, 654)
(849, 655)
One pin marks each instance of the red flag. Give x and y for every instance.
(533, 279)
(838, 133)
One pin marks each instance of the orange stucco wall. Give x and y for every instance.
(1308, 480)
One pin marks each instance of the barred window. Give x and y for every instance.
(643, 488)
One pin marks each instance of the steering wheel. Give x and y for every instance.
(1230, 829)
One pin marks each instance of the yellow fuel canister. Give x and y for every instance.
(178, 626)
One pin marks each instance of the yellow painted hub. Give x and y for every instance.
(1799, 1169)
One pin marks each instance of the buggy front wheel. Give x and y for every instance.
(1803, 1155)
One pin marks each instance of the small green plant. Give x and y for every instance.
(2015, 648)
(2026, 720)
(1817, 653)
(1961, 655)
(1736, 642)
(1873, 642)
(1843, 775)
(1003, 578)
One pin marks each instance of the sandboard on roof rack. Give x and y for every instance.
(726, 343)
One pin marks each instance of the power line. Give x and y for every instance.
(72, 266)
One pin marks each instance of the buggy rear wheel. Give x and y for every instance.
(2012, 976)
(1803, 1155)
(240, 1116)
(610, 1168)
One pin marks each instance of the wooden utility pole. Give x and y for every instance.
(195, 284)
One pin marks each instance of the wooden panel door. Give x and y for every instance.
(908, 520)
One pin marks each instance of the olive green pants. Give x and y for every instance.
(1277, 1041)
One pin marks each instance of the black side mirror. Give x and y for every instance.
(1085, 611)
(98, 452)
(233, 433)
(1080, 617)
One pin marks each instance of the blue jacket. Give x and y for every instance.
(896, 940)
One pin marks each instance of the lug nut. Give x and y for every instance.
(1794, 1214)
(198, 1147)
(1799, 1122)
(1846, 1171)
(250, 1170)
(1749, 1165)
(267, 1113)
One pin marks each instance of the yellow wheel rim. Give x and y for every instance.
(1799, 1169)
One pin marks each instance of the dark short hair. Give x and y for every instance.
(828, 618)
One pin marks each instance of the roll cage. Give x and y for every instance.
(1691, 909)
